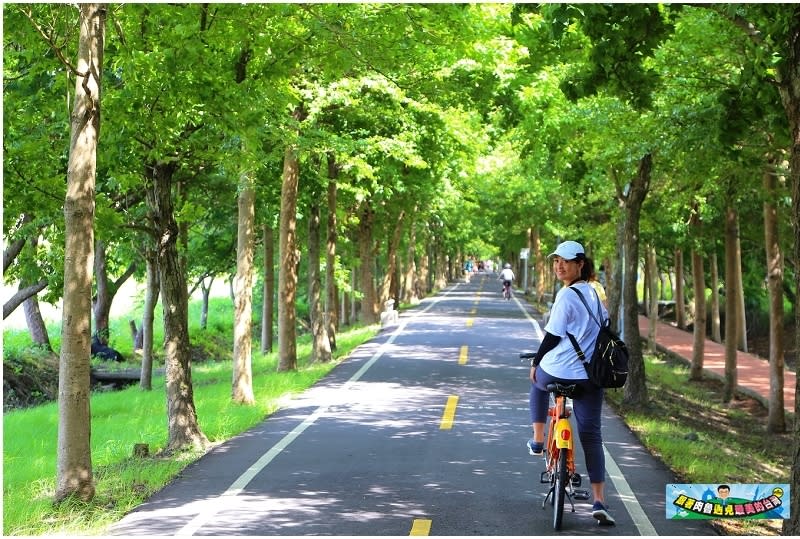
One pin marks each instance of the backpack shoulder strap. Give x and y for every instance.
(583, 300)
(577, 348)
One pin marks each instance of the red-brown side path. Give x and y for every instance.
(752, 371)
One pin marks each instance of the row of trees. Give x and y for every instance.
(378, 145)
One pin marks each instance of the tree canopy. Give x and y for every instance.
(440, 132)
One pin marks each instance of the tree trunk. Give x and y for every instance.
(242, 384)
(615, 283)
(440, 269)
(680, 305)
(741, 318)
(184, 429)
(646, 285)
(320, 345)
(698, 281)
(183, 226)
(33, 315)
(287, 269)
(350, 304)
(205, 290)
(35, 323)
(636, 387)
(74, 476)
(731, 302)
(652, 280)
(538, 263)
(410, 281)
(368, 301)
(392, 289)
(268, 303)
(106, 290)
(331, 290)
(152, 286)
(424, 274)
(716, 326)
(102, 299)
(776, 421)
(790, 96)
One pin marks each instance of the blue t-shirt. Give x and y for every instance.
(568, 315)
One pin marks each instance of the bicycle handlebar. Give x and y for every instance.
(527, 355)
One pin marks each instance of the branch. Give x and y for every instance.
(29, 183)
(352, 50)
(11, 253)
(124, 277)
(747, 27)
(200, 280)
(49, 40)
(21, 296)
(13, 250)
(118, 28)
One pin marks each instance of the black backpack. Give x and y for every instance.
(608, 367)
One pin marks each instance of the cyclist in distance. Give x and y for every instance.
(557, 361)
(507, 276)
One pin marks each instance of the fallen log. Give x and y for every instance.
(118, 376)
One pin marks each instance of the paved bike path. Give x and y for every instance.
(363, 452)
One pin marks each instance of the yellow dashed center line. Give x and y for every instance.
(420, 526)
(449, 413)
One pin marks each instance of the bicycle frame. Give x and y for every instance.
(561, 431)
(560, 460)
(559, 453)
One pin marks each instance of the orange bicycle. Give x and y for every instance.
(559, 454)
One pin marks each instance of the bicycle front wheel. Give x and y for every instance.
(560, 489)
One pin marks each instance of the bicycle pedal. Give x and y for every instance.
(544, 477)
(575, 480)
(580, 494)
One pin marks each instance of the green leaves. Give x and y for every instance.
(486, 117)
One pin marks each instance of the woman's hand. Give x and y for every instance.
(533, 374)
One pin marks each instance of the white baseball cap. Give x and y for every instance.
(568, 250)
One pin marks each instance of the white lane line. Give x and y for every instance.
(534, 323)
(629, 500)
(227, 498)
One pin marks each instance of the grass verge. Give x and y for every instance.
(686, 425)
(123, 418)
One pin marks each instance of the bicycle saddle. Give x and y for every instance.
(568, 390)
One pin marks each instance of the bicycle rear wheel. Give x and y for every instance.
(559, 489)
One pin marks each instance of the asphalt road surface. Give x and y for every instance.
(421, 431)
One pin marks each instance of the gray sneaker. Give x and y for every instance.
(534, 448)
(600, 512)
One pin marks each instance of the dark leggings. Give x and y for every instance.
(587, 408)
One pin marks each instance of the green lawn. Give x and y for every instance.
(702, 440)
(121, 419)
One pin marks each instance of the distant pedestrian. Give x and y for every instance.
(595, 283)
